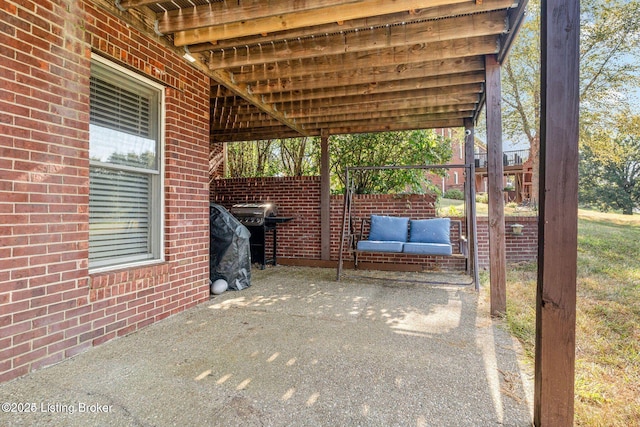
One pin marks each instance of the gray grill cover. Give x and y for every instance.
(230, 250)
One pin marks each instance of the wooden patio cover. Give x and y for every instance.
(321, 67)
(294, 68)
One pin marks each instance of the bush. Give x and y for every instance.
(482, 198)
(453, 212)
(454, 194)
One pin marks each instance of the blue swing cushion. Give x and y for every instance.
(386, 234)
(429, 237)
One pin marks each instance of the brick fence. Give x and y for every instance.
(300, 239)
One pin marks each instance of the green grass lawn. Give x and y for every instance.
(607, 389)
(451, 207)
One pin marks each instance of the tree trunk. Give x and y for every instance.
(534, 154)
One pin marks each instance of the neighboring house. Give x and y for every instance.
(454, 178)
(516, 164)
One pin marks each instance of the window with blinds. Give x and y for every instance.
(124, 178)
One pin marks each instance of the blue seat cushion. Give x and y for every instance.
(434, 230)
(388, 228)
(427, 248)
(379, 246)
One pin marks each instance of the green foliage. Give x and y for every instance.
(144, 160)
(609, 53)
(454, 194)
(609, 58)
(279, 157)
(387, 149)
(482, 198)
(453, 212)
(610, 166)
(299, 156)
(609, 70)
(607, 318)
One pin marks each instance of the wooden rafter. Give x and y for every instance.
(227, 80)
(352, 64)
(302, 68)
(361, 41)
(373, 88)
(210, 24)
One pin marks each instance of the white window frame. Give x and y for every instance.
(157, 207)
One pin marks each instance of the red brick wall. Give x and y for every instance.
(415, 206)
(52, 308)
(300, 197)
(520, 248)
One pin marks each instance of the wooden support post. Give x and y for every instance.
(325, 198)
(558, 222)
(495, 172)
(470, 194)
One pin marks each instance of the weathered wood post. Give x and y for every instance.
(495, 172)
(558, 227)
(470, 195)
(325, 198)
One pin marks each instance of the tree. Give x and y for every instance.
(279, 157)
(299, 156)
(253, 158)
(609, 53)
(418, 147)
(610, 166)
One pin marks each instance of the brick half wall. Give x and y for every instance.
(300, 239)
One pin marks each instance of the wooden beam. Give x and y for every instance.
(413, 122)
(392, 126)
(382, 111)
(128, 4)
(325, 198)
(495, 167)
(558, 222)
(361, 101)
(470, 181)
(278, 15)
(398, 85)
(368, 62)
(283, 90)
(226, 79)
(401, 116)
(254, 134)
(463, 27)
(435, 112)
(430, 101)
(271, 133)
(439, 12)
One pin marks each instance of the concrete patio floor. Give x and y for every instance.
(298, 348)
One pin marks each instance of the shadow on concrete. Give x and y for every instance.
(297, 349)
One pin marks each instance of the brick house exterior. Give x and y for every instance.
(53, 306)
(454, 177)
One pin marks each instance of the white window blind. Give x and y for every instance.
(124, 174)
(119, 204)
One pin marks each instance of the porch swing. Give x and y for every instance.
(404, 235)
